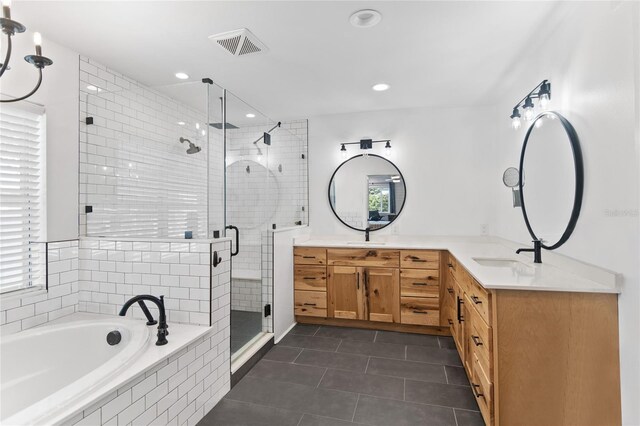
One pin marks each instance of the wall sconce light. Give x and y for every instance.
(366, 144)
(542, 92)
(10, 27)
(343, 151)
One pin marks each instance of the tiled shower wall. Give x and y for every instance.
(134, 172)
(30, 310)
(113, 271)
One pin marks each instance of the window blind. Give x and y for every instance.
(21, 178)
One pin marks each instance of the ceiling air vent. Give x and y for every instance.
(239, 42)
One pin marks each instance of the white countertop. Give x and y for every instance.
(556, 273)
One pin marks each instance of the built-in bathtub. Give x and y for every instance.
(51, 373)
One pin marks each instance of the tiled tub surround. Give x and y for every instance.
(173, 386)
(29, 308)
(112, 271)
(134, 172)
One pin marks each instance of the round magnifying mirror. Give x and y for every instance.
(367, 191)
(552, 198)
(511, 177)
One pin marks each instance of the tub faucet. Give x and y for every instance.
(537, 251)
(162, 326)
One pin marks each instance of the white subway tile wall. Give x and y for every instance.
(37, 307)
(134, 172)
(246, 295)
(178, 391)
(113, 271)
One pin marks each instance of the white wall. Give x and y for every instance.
(59, 95)
(283, 316)
(444, 155)
(590, 60)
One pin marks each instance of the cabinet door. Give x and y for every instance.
(346, 292)
(382, 287)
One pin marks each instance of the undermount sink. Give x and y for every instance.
(365, 243)
(499, 263)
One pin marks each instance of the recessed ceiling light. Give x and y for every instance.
(250, 115)
(380, 87)
(181, 123)
(94, 88)
(365, 18)
(182, 76)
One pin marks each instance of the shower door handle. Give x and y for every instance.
(237, 231)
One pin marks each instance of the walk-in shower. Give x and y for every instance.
(135, 181)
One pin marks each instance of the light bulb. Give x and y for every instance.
(539, 122)
(37, 39)
(387, 149)
(198, 126)
(203, 132)
(6, 3)
(516, 123)
(544, 100)
(343, 151)
(6, 9)
(528, 113)
(259, 158)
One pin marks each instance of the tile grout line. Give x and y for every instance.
(405, 352)
(356, 409)
(367, 367)
(297, 356)
(325, 372)
(446, 376)
(375, 336)
(404, 388)
(338, 347)
(454, 416)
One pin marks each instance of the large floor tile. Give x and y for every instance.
(407, 369)
(348, 381)
(334, 360)
(469, 418)
(285, 372)
(383, 350)
(237, 413)
(310, 342)
(294, 397)
(446, 342)
(387, 412)
(456, 376)
(305, 329)
(347, 333)
(309, 420)
(433, 355)
(406, 339)
(282, 353)
(440, 394)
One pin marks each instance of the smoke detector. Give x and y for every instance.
(239, 42)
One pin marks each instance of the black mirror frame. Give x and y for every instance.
(404, 200)
(579, 174)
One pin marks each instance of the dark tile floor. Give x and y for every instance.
(244, 327)
(329, 376)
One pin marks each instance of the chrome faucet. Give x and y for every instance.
(366, 233)
(162, 325)
(537, 251)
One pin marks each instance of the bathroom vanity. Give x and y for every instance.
(539, 343)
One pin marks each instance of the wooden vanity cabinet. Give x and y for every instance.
(531, 357)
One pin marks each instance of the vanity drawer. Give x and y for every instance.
(480, 299)
(482, 388)
(419, 311)
(309, 256)
(423, 259)
(310, 303)
(420, 282)
(480, 339)
(312, 278)
(363, 257)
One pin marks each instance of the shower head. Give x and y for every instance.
(193, 149)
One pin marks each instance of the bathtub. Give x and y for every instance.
(45, 370)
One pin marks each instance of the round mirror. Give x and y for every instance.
(552, 160)
(367, 191)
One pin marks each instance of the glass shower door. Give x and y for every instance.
(250, 206)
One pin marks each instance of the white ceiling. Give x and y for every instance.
(436, 53)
